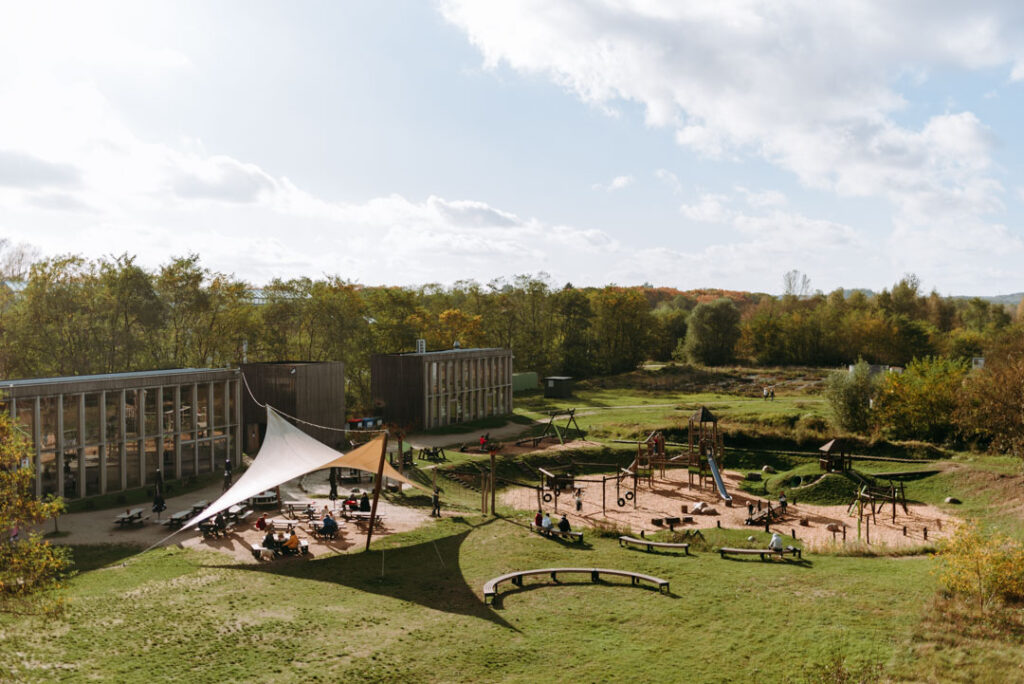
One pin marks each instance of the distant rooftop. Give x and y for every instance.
(134, 375)
(460, 350)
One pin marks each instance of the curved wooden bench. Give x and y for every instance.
(651, 544)
(763, 553)
(491, 586)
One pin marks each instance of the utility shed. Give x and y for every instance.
(310, 391)
(558, 386)
(427, 389)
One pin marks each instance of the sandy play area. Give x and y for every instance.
(670, 494)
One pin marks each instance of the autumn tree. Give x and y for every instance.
(919, 403)
(30, 567)
(992, 404)
(621, 328)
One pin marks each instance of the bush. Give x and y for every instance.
(982, 567)
(849, 393)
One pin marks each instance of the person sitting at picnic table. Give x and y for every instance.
(545, 522)
(330, 526)
(563, 524)
(776, 543)
(350, 504)
(261, 522)
(538, 519)
(220, 523)
(292, 544)
(310, 510)
(364, 503)
(270, 542)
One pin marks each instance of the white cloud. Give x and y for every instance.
(617, 183)
(670, 179)
(811, 88)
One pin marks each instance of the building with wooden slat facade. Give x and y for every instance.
(93, 434)
(312, 391)
(420, 390)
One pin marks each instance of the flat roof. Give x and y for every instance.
(107, 379)
(461, 350)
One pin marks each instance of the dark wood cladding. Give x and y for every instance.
(396, 385)
(431, 389)
(312, 392)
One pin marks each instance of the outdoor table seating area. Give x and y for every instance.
(307, 508)
(132, 517)
(362, 517)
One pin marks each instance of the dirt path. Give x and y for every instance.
(672, 497)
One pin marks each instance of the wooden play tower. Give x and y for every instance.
(835, 457)
(704, 440)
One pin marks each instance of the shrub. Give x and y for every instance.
(982, 567)
(849, 394)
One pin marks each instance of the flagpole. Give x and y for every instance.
(376, 490)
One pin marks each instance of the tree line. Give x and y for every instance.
(69, 315)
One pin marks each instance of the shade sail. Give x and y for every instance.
(287, 453)
(366, 458)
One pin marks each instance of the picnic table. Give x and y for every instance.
(178, 519)
(131, 517)
(362, 517)
(308, 507)
(267, 498)
(200, 506)
(317, 526)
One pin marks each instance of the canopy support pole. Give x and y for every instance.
(376, 490)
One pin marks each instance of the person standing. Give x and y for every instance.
(435, 503)
(782, 502)
(579, 500)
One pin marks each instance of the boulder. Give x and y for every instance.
(804, 522)
(833, 527)
(752, 477)
(767, 469)
(750, 538)
(952, 500)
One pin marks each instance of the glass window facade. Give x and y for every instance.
(104, 439)
(473, 385)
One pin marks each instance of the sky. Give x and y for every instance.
(689, 145)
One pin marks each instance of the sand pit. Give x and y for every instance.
(670, 494)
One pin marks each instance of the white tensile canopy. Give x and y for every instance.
(287, 453)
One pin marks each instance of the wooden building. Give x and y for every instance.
(310, 391)
(558, 387)
(93, 434)
(421, 390)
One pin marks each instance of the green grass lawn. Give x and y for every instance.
(412, 610)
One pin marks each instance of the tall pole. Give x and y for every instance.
(494, 480)
(376, 489)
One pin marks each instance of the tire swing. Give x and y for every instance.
(629, 496)
(547, 498)
(621, 502)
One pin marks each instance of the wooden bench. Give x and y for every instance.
(763, 553)
(261, 552)
(624, 540)
(555, 532)
(491, 587)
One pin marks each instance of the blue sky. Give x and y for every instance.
(714, 144)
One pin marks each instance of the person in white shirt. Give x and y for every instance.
(776, 543)
(546, 522)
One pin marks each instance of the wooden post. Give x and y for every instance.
(867, 530)
(401, 456)
(636, 474)
(494, 481)
(376, 490)
(604, 481)
(926, 534)
(483, 494)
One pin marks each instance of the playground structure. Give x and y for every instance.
(569, 432)
(835, 457)
(872, 500)
(705, 450)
